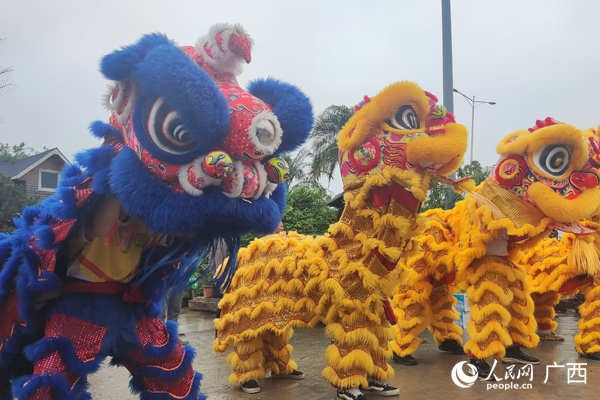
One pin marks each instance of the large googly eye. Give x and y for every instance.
(265, 132)
(553, 159)
(405, 118)
(165, 128)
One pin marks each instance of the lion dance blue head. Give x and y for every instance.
(186, 150)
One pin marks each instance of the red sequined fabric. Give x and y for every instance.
(43, 394)
(61, 229)
(152, 331)
(85, 336)
(52, 364)
(9, 316)
(178, 388)
(47, 260)
(167, 363)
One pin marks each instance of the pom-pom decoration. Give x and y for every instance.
(217, 164)
(278, 170)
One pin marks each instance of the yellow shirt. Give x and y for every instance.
(112, 259)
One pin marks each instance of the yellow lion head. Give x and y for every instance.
(401, 128)
(554, 166)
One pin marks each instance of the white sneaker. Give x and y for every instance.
(381, 388)
(251, 386)
(350, 394)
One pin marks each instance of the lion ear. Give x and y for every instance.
(292, 108)
(121, 64)
(513, 144)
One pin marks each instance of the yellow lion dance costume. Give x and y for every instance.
(546, 177)
(389, 150)
(560, 268)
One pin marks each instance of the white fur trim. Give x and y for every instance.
(123, 118)
(269, 116)
(262, 176)
(239, 185)
(187, 186)
(106, 97)
(223, 61)
(269, 189)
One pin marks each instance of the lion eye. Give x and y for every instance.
(165, 128)
(405, 118)
(553, 159)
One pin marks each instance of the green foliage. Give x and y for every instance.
(437, 193)
(12, 201)
(324, 148)
(307, 212)
(13, 154)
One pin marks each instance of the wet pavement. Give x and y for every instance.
(431, 379)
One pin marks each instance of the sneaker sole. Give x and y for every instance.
(251, 390)
(510, 360)
(375, 392)
(453, 353)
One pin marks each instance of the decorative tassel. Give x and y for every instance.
(584, 257)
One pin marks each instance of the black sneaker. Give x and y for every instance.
(406, 360)
(380, 388)
(350, 394)
(452, 347)
(251, 386)
(484, 371)
(592, 356)
(514, 355)
(295, 374)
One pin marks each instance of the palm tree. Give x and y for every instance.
(324, 149)
(297, 163)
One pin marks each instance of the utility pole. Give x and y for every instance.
(447, 75)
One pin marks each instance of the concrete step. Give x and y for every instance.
(203, 304)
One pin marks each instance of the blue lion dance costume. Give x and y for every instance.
(189, 155)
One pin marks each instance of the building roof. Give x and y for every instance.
(18, 169)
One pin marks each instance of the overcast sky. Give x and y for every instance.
(533, 58)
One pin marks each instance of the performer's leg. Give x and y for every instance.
(161, 368)
(412, 309)
(276, 352)
(247, 361)
(490, 298)
(360, 349)
(71, 349)
(522, 325)
(587, 341)
(174, 306)
(445, 332)
(544, 314)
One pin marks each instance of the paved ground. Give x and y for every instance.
(431, 379)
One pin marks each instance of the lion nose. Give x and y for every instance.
(584, 180)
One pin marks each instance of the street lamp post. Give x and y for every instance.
(474, 104)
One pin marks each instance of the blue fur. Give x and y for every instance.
(292, 107)
(137, 387)
(103, 130)
(67, 352)
(25, 387)
(120, 64)
(169, 73)
(211, 215)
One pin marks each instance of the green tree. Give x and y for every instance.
(12, 201)
(437, 193)
(13, 154)
(324, 149)
(307, 212)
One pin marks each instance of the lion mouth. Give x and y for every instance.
(562, 209)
